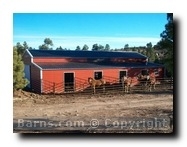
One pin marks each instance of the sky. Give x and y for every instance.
(70, 30)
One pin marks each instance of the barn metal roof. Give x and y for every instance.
(85, 54)
(73, 65)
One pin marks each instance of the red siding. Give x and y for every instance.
(56, 60)
(53, 81)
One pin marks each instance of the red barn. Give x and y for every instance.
(56, 71)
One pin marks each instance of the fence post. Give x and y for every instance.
(53, 88)
(171, 82)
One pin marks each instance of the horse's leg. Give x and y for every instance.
(103, 88)
(147, 85)
(154, 85)
(150, 86)
(143, 85)
(122, 85)
(129, 88)
(94, 89)
(126, 88)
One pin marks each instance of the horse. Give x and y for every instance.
(147, 80)
(126, 83)
(143, 79)
(151, 82)
(93, 83)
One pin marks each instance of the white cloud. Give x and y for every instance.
(73, 41)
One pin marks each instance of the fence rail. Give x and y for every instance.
(112, 85)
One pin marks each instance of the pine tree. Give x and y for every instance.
(19, 82)
(166, 42)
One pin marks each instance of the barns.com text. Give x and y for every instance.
(135, 123)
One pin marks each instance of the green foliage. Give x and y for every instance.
(143, 52)
(95, 47)
(59, 48)
(126, 47)
(150, 53)
(166, 42)
(99, 47)
(19, 82)
(149, 45)
(85, 48)
(43, 47)
(47, 43)
(21, 48)
(134, 49)
(107, 47)
(78, 48)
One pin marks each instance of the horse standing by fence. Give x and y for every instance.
(126, 83)
(93, 83)
(147, 80)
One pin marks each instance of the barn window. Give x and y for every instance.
(98, 75)
(156, 72)
(69, 82)
(122, 73)
(145, 72)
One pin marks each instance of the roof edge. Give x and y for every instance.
(28, 53)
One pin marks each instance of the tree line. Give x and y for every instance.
(164, 47)
(149, 50)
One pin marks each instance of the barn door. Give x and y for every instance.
(98, 75)
(145, 72)
(69, 82)
(122, 74)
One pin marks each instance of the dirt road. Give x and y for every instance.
(116, 113)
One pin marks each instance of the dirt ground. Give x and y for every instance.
(99, 113)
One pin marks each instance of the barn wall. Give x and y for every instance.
(26, 58)
(27, 73)
(135, 71)
(53, 80)
(35, 79)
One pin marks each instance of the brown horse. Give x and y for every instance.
(147, 80)
(151, 82)
(93, 83)
(126, 83)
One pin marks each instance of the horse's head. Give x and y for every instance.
(124, 78)
(139, 76)
(90, 80)
(148, 77)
